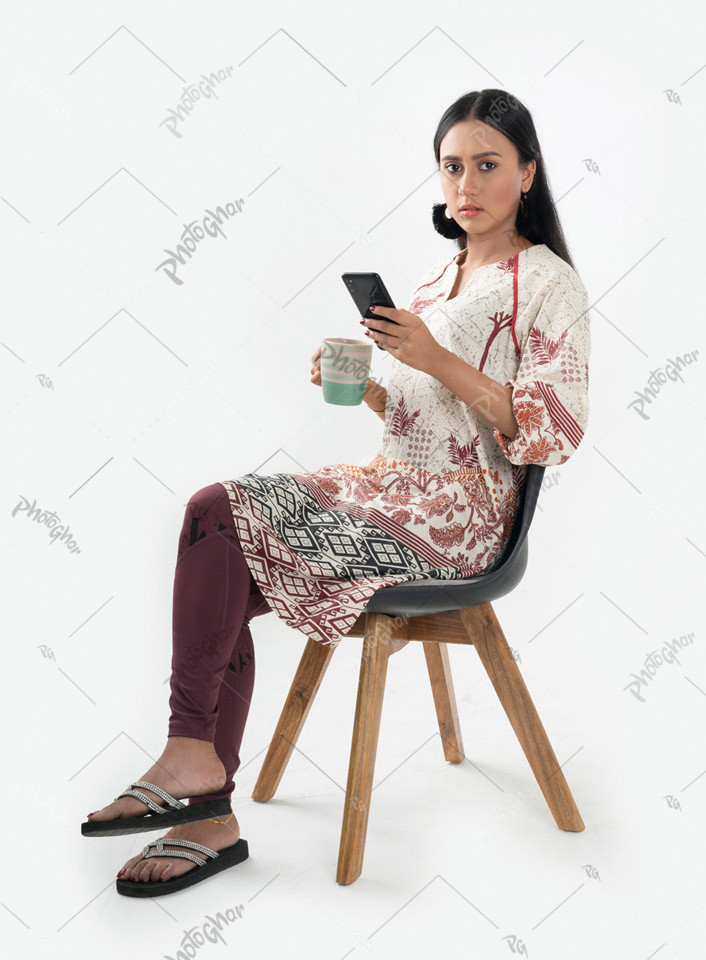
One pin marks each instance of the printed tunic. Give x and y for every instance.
(439, 497)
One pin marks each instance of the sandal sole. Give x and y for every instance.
(192, 813)
(227, 857)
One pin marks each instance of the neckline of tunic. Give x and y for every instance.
(454, 272)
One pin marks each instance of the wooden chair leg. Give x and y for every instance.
(378, 646)
(312, 667)
(487, 637)
(442, 688)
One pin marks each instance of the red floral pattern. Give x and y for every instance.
(439, 497)
(550, 390)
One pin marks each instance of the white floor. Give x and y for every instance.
(460, 858)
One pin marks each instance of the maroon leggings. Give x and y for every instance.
(213, 660)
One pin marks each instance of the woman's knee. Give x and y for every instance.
(208, 511)
(208, 498)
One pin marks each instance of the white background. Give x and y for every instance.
(123, 393)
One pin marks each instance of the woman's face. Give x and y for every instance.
(479, 165)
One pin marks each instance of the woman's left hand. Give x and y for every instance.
(410, 342)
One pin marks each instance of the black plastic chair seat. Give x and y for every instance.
(426, 597)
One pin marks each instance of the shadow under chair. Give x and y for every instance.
(436, 613)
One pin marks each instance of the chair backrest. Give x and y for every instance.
(534, 474)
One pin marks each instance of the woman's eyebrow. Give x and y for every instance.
(476, 156)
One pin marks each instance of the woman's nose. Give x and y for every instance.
(466, 187)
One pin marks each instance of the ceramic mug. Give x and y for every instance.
(345, 369)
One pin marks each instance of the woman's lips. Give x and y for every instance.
(468, 212)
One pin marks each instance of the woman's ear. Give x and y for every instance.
(528, 178)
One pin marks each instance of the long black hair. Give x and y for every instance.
(499, 109)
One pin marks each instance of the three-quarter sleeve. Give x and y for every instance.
(550, 390)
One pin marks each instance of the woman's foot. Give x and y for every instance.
(187, 768)
(216, 834)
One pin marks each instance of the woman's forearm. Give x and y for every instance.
(492, 400)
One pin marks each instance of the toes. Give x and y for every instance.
(152, 869)
(132, 867)
(148, 870)
(124, 807)
(143, 870)
(160, 868)
(105, 813)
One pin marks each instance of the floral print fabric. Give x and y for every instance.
(438, 499)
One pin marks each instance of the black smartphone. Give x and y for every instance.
(367, 289)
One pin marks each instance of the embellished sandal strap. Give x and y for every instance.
(175, 853)
(154, 807)
(148, 801)
(159, 850)
(172, 801)
(181, 843)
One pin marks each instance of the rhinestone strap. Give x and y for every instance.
(177, 804)
(176, 853)
(148, 801)
(191, 845)
(159, 850)
(155, 807)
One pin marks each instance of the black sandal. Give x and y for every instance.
(158, 815)
(221, 860)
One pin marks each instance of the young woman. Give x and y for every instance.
(489, 372)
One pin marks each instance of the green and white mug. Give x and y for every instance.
(345, 369)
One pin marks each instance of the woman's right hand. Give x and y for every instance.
(316, 367)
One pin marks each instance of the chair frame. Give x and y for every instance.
(384, 635)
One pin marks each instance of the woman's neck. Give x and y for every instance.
(475, 256)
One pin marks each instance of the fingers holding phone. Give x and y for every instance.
(368, 289)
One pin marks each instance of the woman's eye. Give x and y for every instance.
(448, 165)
